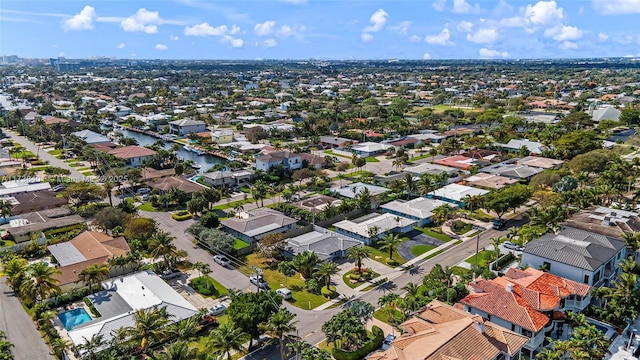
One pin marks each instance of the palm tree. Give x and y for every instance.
(358, 253)
(628, 265)
(15, 270)
(412, 294)
(326, 270)
(226, 338)
(150, 326)
(161, 245)
(59, 346)
(625, 286)
(92, 346)
(632, 240)
(94, 274)
(40, 283)
(6, 209)
(495, 242)
(184, 329)
(279, 325)
(390, 242)
(305, 262)
(179, 350)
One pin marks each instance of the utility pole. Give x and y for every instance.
(479, 229)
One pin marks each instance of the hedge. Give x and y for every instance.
(65, 229)
(181, 215)
(199, 284)
(92, 308)
(370, 346)
(502, 261)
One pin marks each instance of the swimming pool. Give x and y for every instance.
(73, 318)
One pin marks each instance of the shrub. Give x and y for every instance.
(199, 284)
(369, 346)
(78, 228)
(329, 293)
(92, 308)
(181, 215)
(354, 277)
(312, 286)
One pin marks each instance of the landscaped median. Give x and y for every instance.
(354, 278)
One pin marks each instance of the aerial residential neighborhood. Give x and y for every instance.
(318, 209)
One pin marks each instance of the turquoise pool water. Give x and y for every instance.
(73, 318)
(195, 178)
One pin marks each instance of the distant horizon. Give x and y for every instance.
(322, 30)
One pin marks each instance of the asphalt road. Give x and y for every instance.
(20, 329)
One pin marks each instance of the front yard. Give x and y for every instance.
(301, 297)
(383, 256)
(212, 288)
(484, 258)
(421, 249)
(434, 233)
(353, 279)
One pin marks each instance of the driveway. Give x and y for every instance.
(20, 330)
(416, 238)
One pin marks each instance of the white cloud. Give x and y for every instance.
(232, 42)
(443, 38)
(285, 31)
(142, 21)
(61, 54)
(568, 45)
(415, 38)
(492, 54)
(502, 8)
(544, 13)
(603, 37)
(463, 7)
(426, 56)
(617, 7)
(402, 28)
(366, 37)
(377, 21)
(483, 36)
(439, 5)
(265, 28)
(161, 47)
(121, 46)
(563, 33)
(174, 38)
(464, 26)
(81, 21)
(205, 29)
(269, 43)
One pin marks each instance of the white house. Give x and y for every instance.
(579, 255)
(367, 149)
(184, 127)
(374, 226)
(456, 193)
(419, 209)
(291, 161)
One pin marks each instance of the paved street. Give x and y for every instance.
(20, 330)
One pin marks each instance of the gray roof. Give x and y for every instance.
(187, 122)
(353, 190)
(429, 168)
(514, 171)
(534, 147)
(91, 137)
(578, 248)
(259, 221)
(321, 241)
(66, 253)
(333, 140)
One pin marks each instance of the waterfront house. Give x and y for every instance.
(132, 155)
(184, 127)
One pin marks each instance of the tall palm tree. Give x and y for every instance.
(92, 346)
(279, 325)
(184, 329)
(411, 297)
(390, 242)
(94, 274)
(6, 209)
(151, 325)
(326, 270)
(632, 240)
(305, 262)
(625, 286)
(179, 350)
(40, 283)
(358, 253)
(15, 270)
(161, 245)
(226, 338)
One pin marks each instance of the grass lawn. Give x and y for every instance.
(460, 227)
(347, 280)
(482, 216)
(147, 207)
(420, 157)
(434, 254)
(434, 234)
(460, 271)
(330, 152)
(87, 173)
(301, 298)
(239, 244)
(371, 159)
(387, 313)
(232, 204)
(484, 258)
(220, 290)
(382, 256)
(421, 249)
(55, 152)
(354, 174)
(84, 168)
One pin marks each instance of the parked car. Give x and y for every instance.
(511, 246)
(170, 274)
(143, 191)
(59, 187)
(222, 260)
(259, 282)
(499, 224)
(216, 309)
(285, 293)
(386, 343)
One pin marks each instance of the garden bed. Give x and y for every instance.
(353, 279)
(460, 227)
(214, 289)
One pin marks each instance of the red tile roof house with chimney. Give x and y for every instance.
(529, 302)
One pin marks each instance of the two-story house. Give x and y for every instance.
(440, 331)
(578, 255)
(222, 136)
(529, 302)
(132, 155)
(184, 127)
(290, 161)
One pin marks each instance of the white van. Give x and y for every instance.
(285, 293)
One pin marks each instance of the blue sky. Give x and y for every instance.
(321, 29)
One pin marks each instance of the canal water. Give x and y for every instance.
(206, 161)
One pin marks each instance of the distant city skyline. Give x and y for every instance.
(337, 30)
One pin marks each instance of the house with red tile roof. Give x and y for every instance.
(440, 331)
(529, 302)
(132, 155)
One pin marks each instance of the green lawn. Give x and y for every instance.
(387, 313)
(434, 254)
(421, 249)
(354, 174)
(239, 244)
(371, 159)
(460, 271)
(221, 290)
(87, 173)
(430, 232)
(330, 152)
(382, 256)
(84, 168)
(347, 280)
(460, 227)
(484, 258)
(55, 152)
(420, 157)
(147, 207)
(232, 204)
(301, 298)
